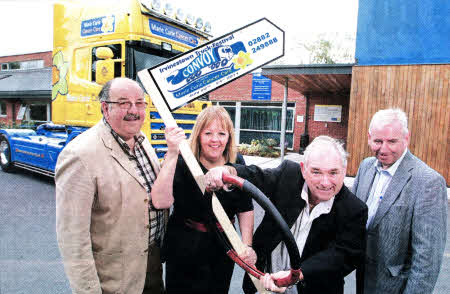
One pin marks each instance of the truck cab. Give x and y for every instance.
(92, 44)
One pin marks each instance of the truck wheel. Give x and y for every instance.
(5, 155)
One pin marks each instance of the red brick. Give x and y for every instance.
(241, 90)
(46, 56)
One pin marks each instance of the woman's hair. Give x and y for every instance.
(208, 115)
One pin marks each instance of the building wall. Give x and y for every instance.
(9, 111)
(14, 103)
(337, 130)
(13, 108)
(402, 32)
(46, 56)
(241, 90)
(421, 91)
(403, 61)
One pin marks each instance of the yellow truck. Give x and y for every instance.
(93, 43)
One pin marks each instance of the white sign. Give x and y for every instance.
(300, 118)
(328, 113)
(21, 113)
(218, 62)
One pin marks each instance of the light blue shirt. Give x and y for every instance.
(382, 179)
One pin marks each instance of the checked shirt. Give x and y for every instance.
(145, 171)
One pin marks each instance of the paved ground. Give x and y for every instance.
(29, 258)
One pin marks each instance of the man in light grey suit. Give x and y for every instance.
(407, 200)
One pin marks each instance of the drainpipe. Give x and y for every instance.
(237, 123)
(304, 138)
(283, 119)
(14, 111)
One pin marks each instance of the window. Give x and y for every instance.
(14, 65)
(2, 109)
(264, 118)
(117, 51)
(140, 58)
(38, 112)
(27, 64)
(264, 122)
(261, 121)
(30, 64)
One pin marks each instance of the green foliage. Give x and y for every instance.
(29, 124)
(330, 48)
(263, 148)
(321, 52)
(23, 125)
(6, 125)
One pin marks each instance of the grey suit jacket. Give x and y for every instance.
(406, 239)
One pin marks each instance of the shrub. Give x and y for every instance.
(6, 125)
(263, 148)
(23, 125)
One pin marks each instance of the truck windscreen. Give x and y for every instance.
(142, 59)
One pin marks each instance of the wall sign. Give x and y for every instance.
(328, 113)
(261, 87)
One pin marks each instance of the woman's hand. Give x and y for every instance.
(174, 136)
(269, 285)
(213, 178)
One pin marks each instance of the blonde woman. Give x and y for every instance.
(196, 261)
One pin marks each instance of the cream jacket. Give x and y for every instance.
(102, 215)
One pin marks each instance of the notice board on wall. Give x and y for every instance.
(328, 113)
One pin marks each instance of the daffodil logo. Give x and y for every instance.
(59, 73)
(108, 24)
(242, 60)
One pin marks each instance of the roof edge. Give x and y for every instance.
(341, 68)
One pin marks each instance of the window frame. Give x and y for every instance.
(291, 106)
(22, 65)
(27, 115)
(118, 59)
(3, 109)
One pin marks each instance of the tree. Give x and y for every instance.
(320, 52)
(331, 48)
(325, 48)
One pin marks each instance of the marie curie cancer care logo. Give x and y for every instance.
(213, 62)
(98, 26)
(59, 75)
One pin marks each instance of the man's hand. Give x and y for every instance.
(268, 281)
(249, 256)
(174, 136)
(213, 178)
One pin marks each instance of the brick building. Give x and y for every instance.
(322, 89)
(25, 95)
(25, 87)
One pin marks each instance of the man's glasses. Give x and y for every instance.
(127, 104)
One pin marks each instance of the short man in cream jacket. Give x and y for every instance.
(109, 233)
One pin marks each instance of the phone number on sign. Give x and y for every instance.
(262, 42)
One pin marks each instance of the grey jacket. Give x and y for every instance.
(406, 239)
